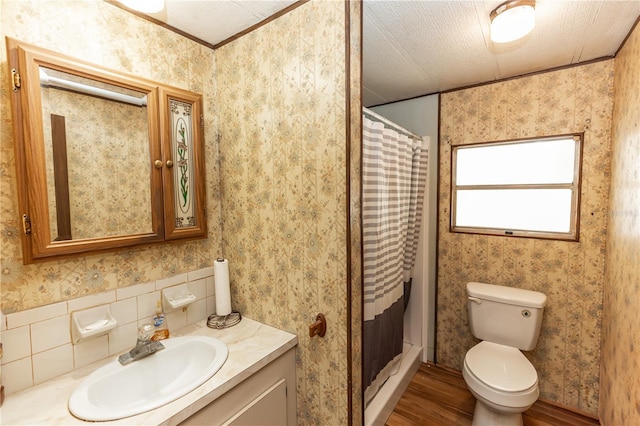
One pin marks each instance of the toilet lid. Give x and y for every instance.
(501, 367)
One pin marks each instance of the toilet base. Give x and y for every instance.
(484, 416)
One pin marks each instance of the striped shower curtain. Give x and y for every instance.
(393, 175)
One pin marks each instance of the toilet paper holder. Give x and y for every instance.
(319, 327)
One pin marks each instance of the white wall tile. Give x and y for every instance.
(176, 320)
(92, 300)
(147, 304)
(41, 313)
(198, 288)
(90, 351)
(135, 290)
(50, 333)
(211, 305)
(16, 344)
(123, 338)
(17, 375)
(197, 311)
(125, 311)
(168, 282)
(211, 286)
(52, 363)
(200, 273)
(45, 331)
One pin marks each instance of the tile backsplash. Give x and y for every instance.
(37, 342)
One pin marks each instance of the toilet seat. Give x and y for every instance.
(501, 367)
(501, 374)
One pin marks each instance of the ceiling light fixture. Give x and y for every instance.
(512, 20)
(144, 6)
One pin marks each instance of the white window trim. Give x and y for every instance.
(575, 187)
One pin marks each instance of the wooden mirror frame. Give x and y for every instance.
(37, 241)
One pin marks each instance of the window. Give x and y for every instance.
(526, 188)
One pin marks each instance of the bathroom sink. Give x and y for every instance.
(115, 391)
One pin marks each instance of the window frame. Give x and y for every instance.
(575, 187)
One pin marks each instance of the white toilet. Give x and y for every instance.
(501, 378)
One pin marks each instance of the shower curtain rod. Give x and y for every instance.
(366, 111)
(49, 81)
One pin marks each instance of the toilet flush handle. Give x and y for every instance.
(475, 299)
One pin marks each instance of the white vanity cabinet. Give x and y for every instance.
(267, 397)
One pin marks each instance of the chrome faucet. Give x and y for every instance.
(144, 346)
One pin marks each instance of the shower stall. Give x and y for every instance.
(394, 175)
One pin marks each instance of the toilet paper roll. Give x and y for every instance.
(223, 290)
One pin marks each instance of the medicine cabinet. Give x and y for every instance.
(104, 159)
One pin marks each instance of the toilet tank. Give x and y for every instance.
(505, 315)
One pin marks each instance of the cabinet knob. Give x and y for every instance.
(157, 164)
(169, 163)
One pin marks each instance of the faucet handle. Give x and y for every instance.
(145, 332)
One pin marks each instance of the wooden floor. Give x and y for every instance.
(439, 396)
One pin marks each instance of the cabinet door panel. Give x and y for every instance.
(84, 137)
(269, 409)
(183, 171)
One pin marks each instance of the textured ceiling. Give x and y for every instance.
(216, 20)
(413, 48)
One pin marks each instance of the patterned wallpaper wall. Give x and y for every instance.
(96, 31)
(571, 274)
(620, 387)
(281, 95)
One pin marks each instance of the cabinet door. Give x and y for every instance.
(183, 170)
(85, 141)
(268, 409)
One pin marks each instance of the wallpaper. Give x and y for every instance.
(571, 274)
(281, 95)
(620, 387)
(113, 198)
(96, 31)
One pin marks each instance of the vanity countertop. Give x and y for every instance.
(252, 345)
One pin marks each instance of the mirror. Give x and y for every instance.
(104, 159)
(96, 186)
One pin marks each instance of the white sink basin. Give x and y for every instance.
(115, 391)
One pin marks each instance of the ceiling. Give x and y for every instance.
(413, 48)
(214, 21)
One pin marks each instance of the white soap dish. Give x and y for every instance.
(92, 322)
(177, 297)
